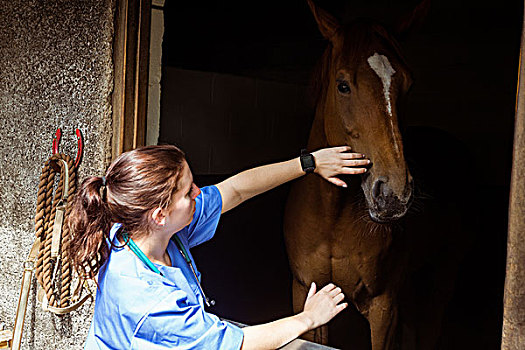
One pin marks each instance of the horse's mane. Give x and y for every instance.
(359, 36)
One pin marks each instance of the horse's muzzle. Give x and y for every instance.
(386, 206)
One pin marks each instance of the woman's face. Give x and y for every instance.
(182, 208)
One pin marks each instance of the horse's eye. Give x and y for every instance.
(343, 87)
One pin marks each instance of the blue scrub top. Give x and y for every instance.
(136, 308)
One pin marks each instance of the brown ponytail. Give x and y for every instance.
(90, 222)
(136, 182)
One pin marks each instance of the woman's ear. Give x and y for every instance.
(158, 217)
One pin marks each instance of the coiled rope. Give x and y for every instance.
(53, 266)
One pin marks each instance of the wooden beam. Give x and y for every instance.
(131, 67)
(513, 335)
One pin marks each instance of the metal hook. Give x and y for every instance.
(56, 141)
(80, 149)
(80, 143)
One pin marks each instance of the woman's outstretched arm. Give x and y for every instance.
(330, 162)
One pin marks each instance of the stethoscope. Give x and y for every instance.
(142, 257)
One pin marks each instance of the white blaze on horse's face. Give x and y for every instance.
(382, 67)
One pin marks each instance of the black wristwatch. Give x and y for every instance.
(307, 161)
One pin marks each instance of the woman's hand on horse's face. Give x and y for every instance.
(320, 307)
(330, 162)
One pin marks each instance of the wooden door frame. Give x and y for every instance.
(131, 68)
(513, 329)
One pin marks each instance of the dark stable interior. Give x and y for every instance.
(464, 60)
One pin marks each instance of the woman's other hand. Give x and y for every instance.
(330, 162)
(320, 307)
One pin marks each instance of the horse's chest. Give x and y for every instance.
(359, 242)
(361, 258)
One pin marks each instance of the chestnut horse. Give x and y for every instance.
(345, 235)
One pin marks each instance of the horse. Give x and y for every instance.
(349, 236)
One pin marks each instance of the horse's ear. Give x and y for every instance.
(412, 21)
(327, 23)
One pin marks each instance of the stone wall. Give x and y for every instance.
(55, 71)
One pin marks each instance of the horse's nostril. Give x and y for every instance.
(379, 190)
(376, 189)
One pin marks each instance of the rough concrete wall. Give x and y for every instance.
(55, 71)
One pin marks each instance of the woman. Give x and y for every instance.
(133, 230)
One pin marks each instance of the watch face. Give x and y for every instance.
(308, 162)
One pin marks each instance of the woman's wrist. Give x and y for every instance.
(316, 158)
(298, 164)
(306, 321)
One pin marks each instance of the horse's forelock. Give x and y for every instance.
(359, 36)
(363, 35)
